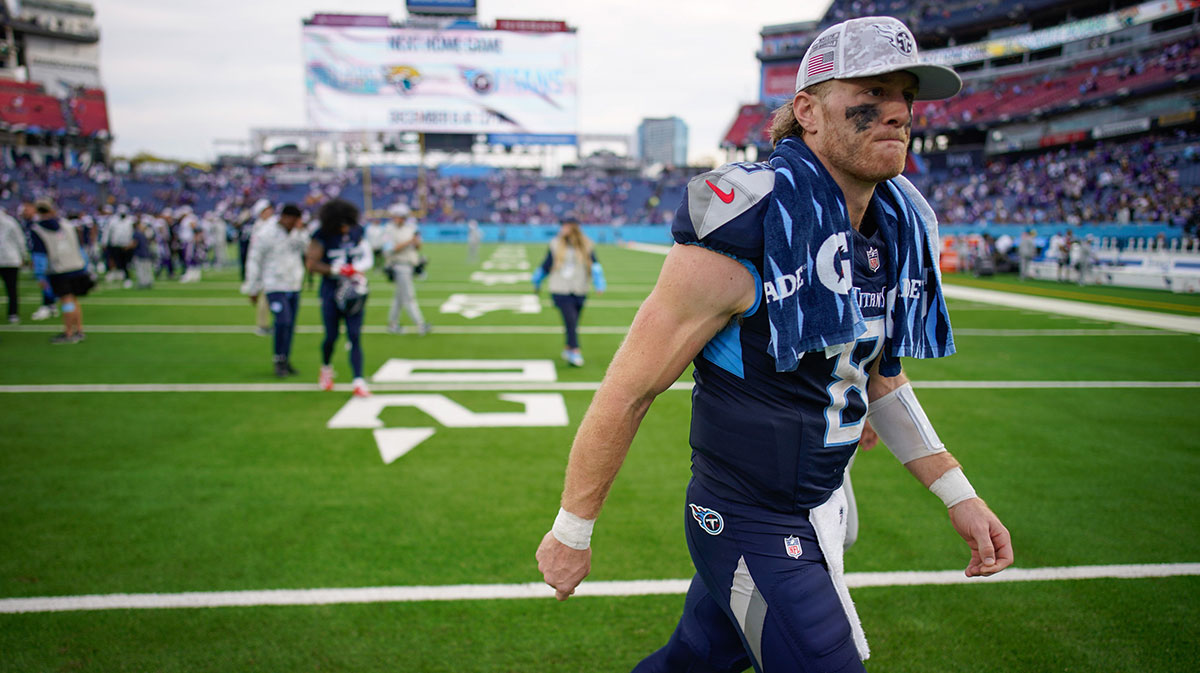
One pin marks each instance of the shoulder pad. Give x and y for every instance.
(720, 195)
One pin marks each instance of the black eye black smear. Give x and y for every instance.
(863, 115)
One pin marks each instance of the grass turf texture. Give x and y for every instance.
(167, 492)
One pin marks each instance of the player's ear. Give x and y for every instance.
(805, 108)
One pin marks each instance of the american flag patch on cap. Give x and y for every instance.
(820, 64)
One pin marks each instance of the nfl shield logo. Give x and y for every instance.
(791, 544)
(873, 259)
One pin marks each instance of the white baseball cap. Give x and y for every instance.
(873, 45)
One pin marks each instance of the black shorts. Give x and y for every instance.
(77, 283)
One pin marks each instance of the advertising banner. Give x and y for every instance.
(441, 81)
(778, 82)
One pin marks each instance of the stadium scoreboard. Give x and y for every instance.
(518, 85)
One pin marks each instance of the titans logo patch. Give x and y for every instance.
(709, 520)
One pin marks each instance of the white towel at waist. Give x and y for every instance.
(829, 520)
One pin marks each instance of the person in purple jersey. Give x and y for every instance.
(796, 347)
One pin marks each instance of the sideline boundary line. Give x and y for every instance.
(470, 592)
(1078, 309)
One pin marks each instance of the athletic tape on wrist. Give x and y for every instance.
(901, 423)
(571, 530)
(952, 487)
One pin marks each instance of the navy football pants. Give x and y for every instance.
(751, 603)
(331, 315)
(284, 306)
(570, 306)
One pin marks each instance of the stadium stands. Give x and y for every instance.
(1056, 175)
(1015, 96)
(89, 109)
(932, 21)
(749, 127)
(1131, 181)
(27, 107)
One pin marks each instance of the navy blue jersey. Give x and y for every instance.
(779, 440)
(339, 249)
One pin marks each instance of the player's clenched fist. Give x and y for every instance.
(562, 567)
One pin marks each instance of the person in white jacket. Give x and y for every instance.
(264, 218)
(275, 266)
(12, 255)
(402, 250)
(116, 238)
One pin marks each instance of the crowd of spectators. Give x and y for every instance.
(1136, 181)
(503, 196)
(1123, 182)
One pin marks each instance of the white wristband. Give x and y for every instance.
(952, 487)
(571, 530)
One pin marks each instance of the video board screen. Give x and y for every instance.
(441, 81)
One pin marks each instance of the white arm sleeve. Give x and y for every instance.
(901, 423)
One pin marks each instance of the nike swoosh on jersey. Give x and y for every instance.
(726, 197)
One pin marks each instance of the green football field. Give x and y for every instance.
(219, 519)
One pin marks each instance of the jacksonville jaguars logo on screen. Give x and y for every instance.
(898, 37)
(404, 77)
(709, 520)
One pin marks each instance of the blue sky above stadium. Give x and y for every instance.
(180, 75)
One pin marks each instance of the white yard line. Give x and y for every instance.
(242, 302)
(55, 327)
(461, 592)
(968, 331)
(535, 386)
(308, 329)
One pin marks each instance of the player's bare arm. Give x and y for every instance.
(988, 539)
(312, 259)
(697, 294)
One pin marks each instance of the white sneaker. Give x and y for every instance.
(42, 313)
(325, 379)
(360, 388)
(14, 319)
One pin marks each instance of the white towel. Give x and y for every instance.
(829, 520)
